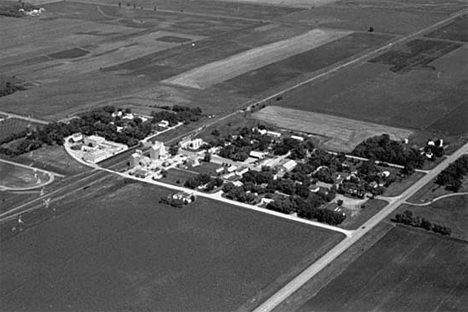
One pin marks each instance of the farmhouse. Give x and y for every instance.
(258, 155)
(186, 197)
(289, 165)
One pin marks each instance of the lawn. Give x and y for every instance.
(121, 250)
(407, 270)
(451, 212)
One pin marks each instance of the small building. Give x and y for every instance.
(289, 165)
(257, 155)
(192, 161)
(192, 144)
(231, 168)
(273, 134)
(163, 124)
(93, 140)
(186, 197)
(94, 156)
(296, 137)
(77, 137)
(140, 173)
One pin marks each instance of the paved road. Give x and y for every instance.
(316, 267)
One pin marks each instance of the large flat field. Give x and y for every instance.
(420, 85)
(122, 251)
(407, 270)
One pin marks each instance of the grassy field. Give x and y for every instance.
(13, 176)
(121, 250)
(450, 211)
(341, 134)
(407, 270)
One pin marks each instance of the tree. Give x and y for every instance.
(339, 202)
(207, 157)
(173, 150)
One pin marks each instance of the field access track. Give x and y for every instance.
(216, 72)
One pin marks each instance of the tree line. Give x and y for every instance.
(452, 176)
(411, 219)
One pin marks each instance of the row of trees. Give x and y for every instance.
(452, 176)
(411, 219)
(384, 149)
(175, 114)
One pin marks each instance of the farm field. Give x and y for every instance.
(407, 270)
(341, 134)
(19, 177)
(431, 98)
(121, 250)
(450, 211)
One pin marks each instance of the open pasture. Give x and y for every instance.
(407, 270)
(219, 71)
(341, 134)
(122, 251)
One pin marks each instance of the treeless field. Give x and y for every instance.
(433, 97)
(216, 72)
(407, 270)
(122, 251)
(342, 134)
